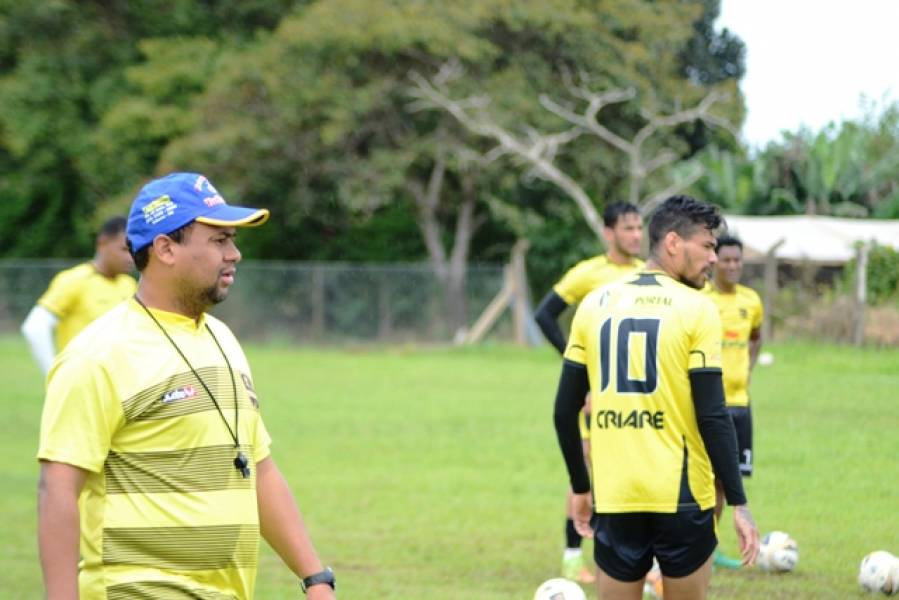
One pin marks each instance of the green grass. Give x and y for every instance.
(434, 474)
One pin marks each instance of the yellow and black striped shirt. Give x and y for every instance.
(164, 512)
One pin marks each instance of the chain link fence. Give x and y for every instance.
(315, 303)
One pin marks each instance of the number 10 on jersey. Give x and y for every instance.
(630, 330)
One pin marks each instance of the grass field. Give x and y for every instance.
(434, 474)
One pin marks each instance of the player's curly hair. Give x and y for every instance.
(682, 214)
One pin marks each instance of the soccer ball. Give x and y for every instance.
(879, 572)
(778, 553)
(559, 589)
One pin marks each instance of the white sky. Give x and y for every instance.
(809, 62)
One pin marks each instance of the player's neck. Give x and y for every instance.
(156, 298)
(619, 258)
(654, 264)
(725, 287)
(102, 268)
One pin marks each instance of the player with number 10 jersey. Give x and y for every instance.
(652, 331)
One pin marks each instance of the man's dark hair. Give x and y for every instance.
(142, 256)
(112, 227)
(728, 240)
(615, 210)
(682, 214)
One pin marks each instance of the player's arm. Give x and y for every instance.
(39, 329)
(282, 526)
(547, 317)
(58, 528)
(755, 346)
(720, 440)
(573, 387)
(717, 431)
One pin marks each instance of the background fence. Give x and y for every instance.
(305, 302)
(338, 303)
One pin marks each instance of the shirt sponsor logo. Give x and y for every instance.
(636, 419)
(183, 393)
(653, 300)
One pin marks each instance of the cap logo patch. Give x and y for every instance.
(213, 198)
(159, 209)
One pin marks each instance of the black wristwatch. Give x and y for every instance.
(326, 576)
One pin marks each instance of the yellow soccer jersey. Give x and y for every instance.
(640, 338)
(587, 275)
(81, 294)
(164, 512)
(741, 312)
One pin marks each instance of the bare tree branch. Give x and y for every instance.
(650, 202)
(537, 152)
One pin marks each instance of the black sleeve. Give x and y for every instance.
(547, 317)
(717, 431)
(573, 387)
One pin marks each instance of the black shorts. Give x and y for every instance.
(625, 543)
(742, 418)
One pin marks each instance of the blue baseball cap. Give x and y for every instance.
(173, 201)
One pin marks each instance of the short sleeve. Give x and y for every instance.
(575, 284)
(61, 295)
(758, 313)
(262, 441)
(705, 341)
(576, 351)
(81, 414)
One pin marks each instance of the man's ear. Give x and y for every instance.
(672, 243)
(164, 249)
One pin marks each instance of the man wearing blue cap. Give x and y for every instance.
(153, 451)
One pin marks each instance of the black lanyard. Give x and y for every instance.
(240, 461)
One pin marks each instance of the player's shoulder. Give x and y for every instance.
(102, 338)
(590, 264)
(218, 327)
(126, 281)
(73, 275)
(748, 293)
(690, 300)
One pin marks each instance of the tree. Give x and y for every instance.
(847, 170)
(62, 67)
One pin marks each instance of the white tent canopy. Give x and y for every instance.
(810, 237)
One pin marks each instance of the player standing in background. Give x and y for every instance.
(623, 233)
(649, 349)
(741, 314)
(79, 295)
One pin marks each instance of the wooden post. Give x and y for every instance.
(493, 310)
(385, 312)
(770, 277)
(861, 293)
(520, 298)
(513, 293)
(318, 302)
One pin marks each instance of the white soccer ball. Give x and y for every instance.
(559, 589)
(778, 553)
(879, 572)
